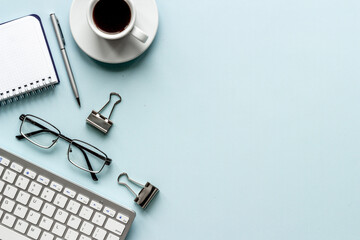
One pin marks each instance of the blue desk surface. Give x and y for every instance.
(244, 113)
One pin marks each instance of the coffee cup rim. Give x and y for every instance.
(106, 35)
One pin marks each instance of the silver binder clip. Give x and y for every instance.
(146, 194)
(99, 121)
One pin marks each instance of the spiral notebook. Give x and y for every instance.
(26, 64)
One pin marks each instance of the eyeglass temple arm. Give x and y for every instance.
(22, 117)
(93, 175)
(19, 137)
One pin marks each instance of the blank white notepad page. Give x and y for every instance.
(25, 61)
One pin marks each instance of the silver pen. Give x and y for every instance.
(61, 41)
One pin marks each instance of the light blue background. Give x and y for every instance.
(244, 113)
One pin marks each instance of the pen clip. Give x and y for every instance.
(61, 32)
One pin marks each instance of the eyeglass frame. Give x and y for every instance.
(71, 142)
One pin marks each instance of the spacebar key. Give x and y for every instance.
(7, 234)
(114, 226)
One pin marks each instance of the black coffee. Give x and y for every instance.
(112, 16)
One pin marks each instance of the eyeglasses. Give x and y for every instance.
(45, 135)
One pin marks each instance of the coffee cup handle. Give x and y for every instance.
(139, 34)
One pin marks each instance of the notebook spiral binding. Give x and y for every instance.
(33, 88)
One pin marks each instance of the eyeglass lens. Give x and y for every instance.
(38, 131)
(81, 154)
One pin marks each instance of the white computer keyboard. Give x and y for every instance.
(37, 204)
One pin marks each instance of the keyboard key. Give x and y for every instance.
(46, 223)
(58, 229)
(33, 217)
(20, 211)
(16, 167)
(43, 180)
(34, 232)
(70, 193)
(108, 211)
(8, 220)
(86, 213)
(35, 188)
(10, 234)
(47, 236)
(73, 207)
(21, 226)
(82, 237)
(112, 237)
(96, 205)
(8, 205)
(114, 226)
(4, 161)
(122, 218)
(23, 197)
(35, 203)
(60, 200)
(10, 191)
(9, 176)
(71, 235)
(56, 186)
(1, 169)
(1, 213)
(98, 219)
(86, 228)
(48, 210)
(83, 199)
(74, 222)
(2, 184)
(22, 182)
(47, 194)
(99, 234)
(61, 215)
(30, 173)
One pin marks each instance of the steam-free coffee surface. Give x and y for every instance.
(112, 16)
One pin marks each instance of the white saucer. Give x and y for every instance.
(114, 51)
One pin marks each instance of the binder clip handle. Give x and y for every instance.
(146, 194)
(129, 179)
(117, 102)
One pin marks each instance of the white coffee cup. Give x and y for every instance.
(129, 29)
